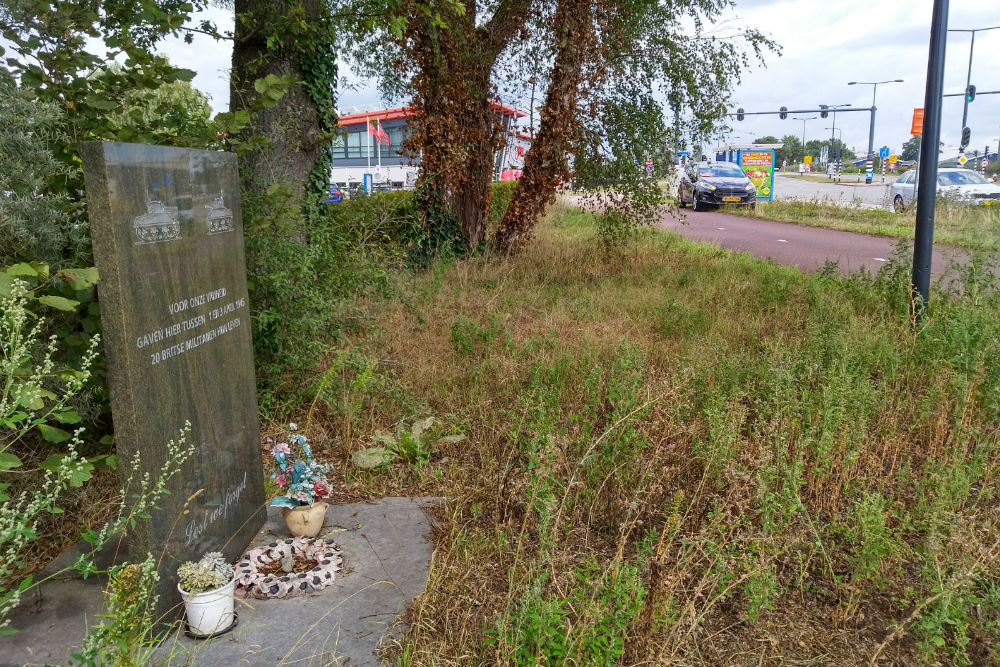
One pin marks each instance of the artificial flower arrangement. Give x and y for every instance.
(208, 574)
(302, 479)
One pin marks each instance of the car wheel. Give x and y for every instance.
(680, 199)
(695, 206)
(897, 204)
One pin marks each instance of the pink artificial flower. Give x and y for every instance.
(321, 489)
(282, 448)
(280, 480)
(304, 497)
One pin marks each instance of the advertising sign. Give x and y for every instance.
(759, 168)
(808, 159)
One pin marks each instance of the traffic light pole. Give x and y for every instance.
(923, 242)
(871, 141)
(968, 80)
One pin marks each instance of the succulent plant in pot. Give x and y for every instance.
(207, 588)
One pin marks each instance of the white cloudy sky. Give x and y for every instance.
(825, 44)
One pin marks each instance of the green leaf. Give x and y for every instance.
(53, 434)
(68, 416)
(9, 461)
(29, 396)
(78, 474)
(22, 269)
(372, 457)
(80, 279)
(58, 302)
(6, 284)
(100, 102)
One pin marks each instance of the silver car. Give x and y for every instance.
(962, 185)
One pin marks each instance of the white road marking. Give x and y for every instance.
(782, 241)
(721, 229)
(880, 259)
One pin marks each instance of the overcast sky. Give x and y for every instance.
(824, 45)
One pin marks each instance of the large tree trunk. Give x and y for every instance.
(291, 128)
(454, 128)
(547, 163)
(471, 198)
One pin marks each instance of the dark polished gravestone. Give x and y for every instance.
(168, 242)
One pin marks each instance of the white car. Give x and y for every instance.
(963, 185)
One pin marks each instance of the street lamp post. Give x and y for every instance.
(968, 74)
(834, 107)
(871, 127)
(804, 133)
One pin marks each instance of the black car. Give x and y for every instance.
(706, 185)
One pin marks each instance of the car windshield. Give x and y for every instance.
(720, 170)
(962, 177)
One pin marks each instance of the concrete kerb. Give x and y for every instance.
(386, 562)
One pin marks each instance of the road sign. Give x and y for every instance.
(963, 159)
(883, 152)
(985, 162)
(893, 159)
(869, 175)
(917, 126)
(808, 159)
(684, 154)
(649, 168)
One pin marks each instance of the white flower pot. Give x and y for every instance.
(211, 612)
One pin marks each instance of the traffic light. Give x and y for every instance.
(783, 113)
(970, 93)
(739, 114)
(824, 113)
(966, 137)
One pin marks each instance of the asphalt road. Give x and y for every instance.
(846, 192)
(808, 248)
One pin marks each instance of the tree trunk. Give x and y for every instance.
(454, 128)
(291, 128)
(547, 163)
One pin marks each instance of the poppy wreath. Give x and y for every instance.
(251, 581)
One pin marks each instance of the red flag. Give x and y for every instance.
(382, 134)
(373, 131)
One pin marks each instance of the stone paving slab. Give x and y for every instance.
(386, 561)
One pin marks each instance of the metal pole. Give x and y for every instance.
(968, 80)
(871, 138)
(923, 242)
(803, 140)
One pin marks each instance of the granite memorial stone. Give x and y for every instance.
(168, 241)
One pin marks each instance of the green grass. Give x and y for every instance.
(969, 226)
(680, 455)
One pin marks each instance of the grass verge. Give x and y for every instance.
(678, 455)
(972, 227)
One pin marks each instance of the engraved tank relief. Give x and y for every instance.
(220, 218)
(158, 224)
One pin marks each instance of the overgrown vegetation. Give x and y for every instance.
(976, 227)
(676, 455)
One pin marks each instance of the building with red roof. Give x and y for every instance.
(357, 152)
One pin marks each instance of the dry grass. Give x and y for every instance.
(677, 455)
